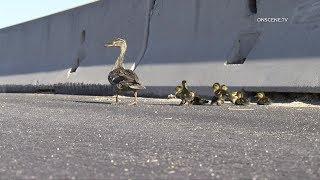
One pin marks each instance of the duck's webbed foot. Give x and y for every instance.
(135, 99)
(133, 104)
(117, 92)
(117, 98)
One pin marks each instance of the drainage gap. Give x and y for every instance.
(252, 5)
(83, 36)
(242, 47)
(45, 91)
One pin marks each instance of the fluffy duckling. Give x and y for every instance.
(183, 93)
(215, 89)
(241, 100)
(223, 91)
(262, 99)
(233, 97)
(220, 94)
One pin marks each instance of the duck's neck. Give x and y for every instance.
(120, 59)
(184, 86)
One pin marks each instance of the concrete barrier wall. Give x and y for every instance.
(44, 50)
(283, 58)
(171, 40)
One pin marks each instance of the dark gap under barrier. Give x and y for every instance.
(151, 91)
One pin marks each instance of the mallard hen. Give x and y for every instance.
(123, 79)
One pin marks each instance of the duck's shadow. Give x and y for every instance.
(93, 102)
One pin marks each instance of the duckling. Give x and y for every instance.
(123, 79)
(241, 100)
(262, 99)
(183, 93)
(215, 89)
(222, 95)
(223, 91)
(233, 97)
(197, 100)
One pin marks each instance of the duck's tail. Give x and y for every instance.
(133, 67)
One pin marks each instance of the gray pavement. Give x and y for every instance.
(82, 137)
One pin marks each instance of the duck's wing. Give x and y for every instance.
(130, 76)
(125, 77)
(131, 79)
(121, 75)
(115, 77)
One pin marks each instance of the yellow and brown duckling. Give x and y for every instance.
(233, 97)
(220, 94)
(262, 99)
(183, 93)
(241, 99)
(223, 91)
(215, 89)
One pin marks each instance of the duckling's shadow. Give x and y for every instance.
(308, 98)
(160, 104)
(191, 105)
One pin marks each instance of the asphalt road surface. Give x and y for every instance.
(82, 137)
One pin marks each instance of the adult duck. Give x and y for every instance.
(123, 79)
